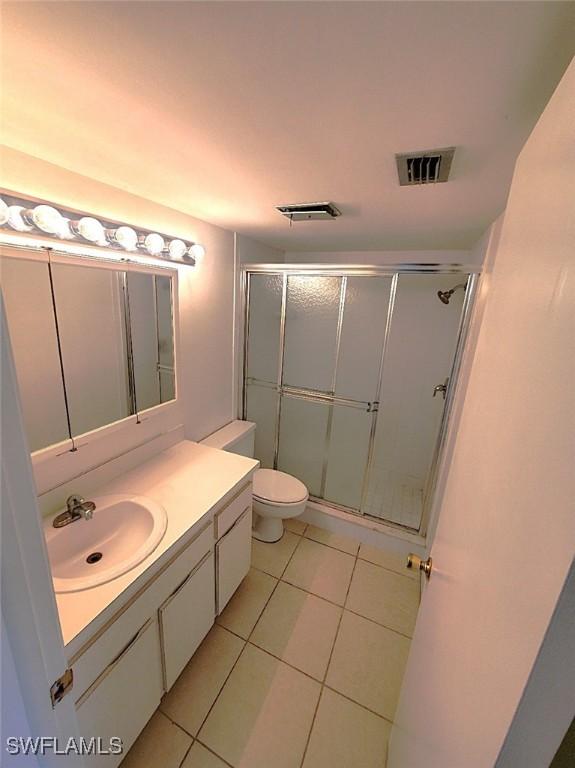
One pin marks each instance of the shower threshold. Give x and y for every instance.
(338, 518)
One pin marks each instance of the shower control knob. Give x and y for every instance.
(414, 561)
(441, 388)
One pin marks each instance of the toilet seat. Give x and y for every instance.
(278, 488)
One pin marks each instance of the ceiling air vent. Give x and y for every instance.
(429, 167)
(309, 211)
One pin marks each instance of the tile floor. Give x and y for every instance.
(302, 669)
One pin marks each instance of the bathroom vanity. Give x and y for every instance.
(129, 639)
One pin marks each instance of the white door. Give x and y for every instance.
(506, 534)
(29, 611)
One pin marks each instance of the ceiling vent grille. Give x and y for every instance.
(429, 167)
(309, 211)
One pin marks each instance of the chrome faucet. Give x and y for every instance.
(76, 507)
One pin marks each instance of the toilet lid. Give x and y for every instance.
(272, 485)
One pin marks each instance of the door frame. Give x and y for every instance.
(28, 601)
(393, 271)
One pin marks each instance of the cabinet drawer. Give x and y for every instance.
(124, 697)
(186, 618)
(233, 557)
(114, 635)
(225, 518)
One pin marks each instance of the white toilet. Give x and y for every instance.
(277, 495)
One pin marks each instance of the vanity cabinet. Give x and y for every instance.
(121, 673)
(125, 695)
(186, 618)
(233, 526)
(233, 556)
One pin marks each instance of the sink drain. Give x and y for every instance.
(94, 557)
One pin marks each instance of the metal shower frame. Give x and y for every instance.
(392, 271)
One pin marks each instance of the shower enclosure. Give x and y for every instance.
(349, 375)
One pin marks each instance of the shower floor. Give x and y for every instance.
(396, 498)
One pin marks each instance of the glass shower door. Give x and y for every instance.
(418, 363)
(264, 330)
(340, 375)
(334, 335)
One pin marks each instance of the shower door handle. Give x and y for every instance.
(441, 388)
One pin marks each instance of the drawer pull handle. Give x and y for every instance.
(190, 574)
(116, 660)
(236, 523)
(129, 644)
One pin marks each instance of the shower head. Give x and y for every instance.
(444, 296)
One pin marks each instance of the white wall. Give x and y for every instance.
(251, 251)
(381, 258)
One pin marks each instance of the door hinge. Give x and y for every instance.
(61, 687)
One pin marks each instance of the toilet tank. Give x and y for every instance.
(235, 437)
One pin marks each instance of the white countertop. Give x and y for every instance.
(190, 481)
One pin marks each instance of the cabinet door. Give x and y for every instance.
(123, 698)
(186, 618)
(233, 557)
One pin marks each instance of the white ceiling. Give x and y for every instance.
(226, 109)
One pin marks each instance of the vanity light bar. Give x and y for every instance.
(26, 216)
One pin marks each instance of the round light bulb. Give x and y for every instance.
(65, 230)
(177, 248)
(46, 218)
(197, 252)
(3, 212)
(126, 237)
(16, 219)
(154, 243)
(89, 228)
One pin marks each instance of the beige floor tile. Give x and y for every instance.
(273, 558)
(321, 570)
(368, 663)
(384, 596)
(160, 743)
(343, 543)
(295, 525)
(263, 715)
(200, 757)
(244, 609)
(299, 628)
(190, 699)
(345, 735)
(393, 561)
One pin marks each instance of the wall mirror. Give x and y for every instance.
(93, 342)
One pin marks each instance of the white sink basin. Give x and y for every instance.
(123, 531)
